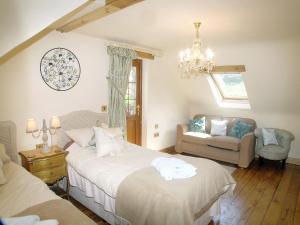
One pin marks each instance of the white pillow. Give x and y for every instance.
(3, 156)
(218, 127)
(109, 141)
(81, 136)
(269, 136)
(92, 142)
(2, 177)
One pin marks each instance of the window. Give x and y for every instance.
(229, 90)
(130, 97)
(231, 86)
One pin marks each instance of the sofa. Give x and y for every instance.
(223, 148)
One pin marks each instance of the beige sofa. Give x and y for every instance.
(223, 148)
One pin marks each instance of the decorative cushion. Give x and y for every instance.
(2, 177)
(81, 136)
(108, 141)
(218, 127)
(239, 129)
(197, 125)
(269, 136)
(3, 156)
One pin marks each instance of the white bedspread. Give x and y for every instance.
(100, 177)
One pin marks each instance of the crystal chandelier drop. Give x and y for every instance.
(192, 62)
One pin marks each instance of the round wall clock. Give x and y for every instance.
(60, 69)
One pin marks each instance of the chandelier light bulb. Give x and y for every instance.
(209, 54)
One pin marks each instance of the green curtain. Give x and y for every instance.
(120, 63)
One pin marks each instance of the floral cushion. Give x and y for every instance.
(239, 129)
(197, 125)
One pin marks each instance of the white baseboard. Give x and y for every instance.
(295, 161)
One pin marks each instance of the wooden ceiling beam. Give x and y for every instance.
(145, 55)
(111, 6)
(43, 33)
(229, 69)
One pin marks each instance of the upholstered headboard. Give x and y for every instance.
(76, 120)
(8, 138)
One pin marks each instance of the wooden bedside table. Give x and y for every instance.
(50, 167)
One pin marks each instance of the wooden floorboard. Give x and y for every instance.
(264, 195)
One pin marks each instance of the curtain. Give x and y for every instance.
(120, 62)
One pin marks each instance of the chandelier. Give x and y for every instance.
(192, 62)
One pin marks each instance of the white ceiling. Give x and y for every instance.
(162, 24)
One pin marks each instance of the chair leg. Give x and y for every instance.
(261, 160)
(283, 163)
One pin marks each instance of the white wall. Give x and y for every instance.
(165, 105)
(23, 93)
(20, 20)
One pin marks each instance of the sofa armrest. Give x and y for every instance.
(247, 150)
(181, 129)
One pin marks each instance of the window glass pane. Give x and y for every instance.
(132, 107)
(132, 91)
(231, 85)
(132, 75)
(127, 94)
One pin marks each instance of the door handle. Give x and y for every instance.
(138, 107)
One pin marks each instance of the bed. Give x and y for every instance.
(24, 194)
(125, 189)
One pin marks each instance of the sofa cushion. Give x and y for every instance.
(226, 142)
(196, 137)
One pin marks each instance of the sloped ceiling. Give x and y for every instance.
(21, 20)
(163, 24)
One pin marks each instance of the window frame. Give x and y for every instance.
(220, 90)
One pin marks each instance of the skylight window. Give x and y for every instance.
(231, 86)
(229, 90)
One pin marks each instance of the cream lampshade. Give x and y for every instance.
(54, 122)
(31, 126)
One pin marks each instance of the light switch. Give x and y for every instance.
(156, 134)
(156, 126)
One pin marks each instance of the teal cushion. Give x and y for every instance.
(239, 129)
(197, 125)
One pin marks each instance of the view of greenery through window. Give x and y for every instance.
(231, 85)
(130, 97)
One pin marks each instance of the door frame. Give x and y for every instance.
(139, 97)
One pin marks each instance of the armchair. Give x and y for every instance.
(274, 152)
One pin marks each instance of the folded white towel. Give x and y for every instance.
(46, 222)
(24, 220)
(27, 220)
(172, 168)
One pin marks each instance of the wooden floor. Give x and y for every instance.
(264, 195)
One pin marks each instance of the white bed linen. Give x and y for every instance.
(100, 177)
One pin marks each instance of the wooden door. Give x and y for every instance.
(133, 101)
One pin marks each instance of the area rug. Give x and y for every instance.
(230, 169)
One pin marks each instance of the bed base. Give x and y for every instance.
(110, 218)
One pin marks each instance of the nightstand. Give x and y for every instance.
(50, 167)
